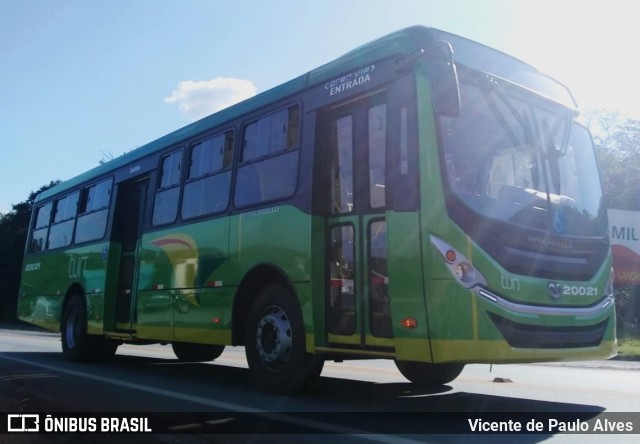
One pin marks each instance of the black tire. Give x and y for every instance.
(275, 343)
(188, 352)
(422, 373)
(76, 343)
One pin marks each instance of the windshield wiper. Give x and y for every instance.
(552, 152)
(539, 136)
(500, 92)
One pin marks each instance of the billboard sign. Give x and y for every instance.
(624, 232)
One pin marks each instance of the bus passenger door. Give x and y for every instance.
(350, 189)
(126, 232)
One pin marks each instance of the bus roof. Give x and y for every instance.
(400, 42)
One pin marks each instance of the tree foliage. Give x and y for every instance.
(13, 236)
(617, 143)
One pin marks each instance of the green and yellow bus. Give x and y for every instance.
(423, 198)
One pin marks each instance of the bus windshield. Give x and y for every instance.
(517, 158)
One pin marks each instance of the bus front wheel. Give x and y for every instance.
(422, 373)
(275, 343)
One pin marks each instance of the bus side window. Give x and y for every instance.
(61, 233)
(93, 212)
(269, 158)
(377, 155)
(342, 175)
(41, 228)
(165, 208)
(208, 182)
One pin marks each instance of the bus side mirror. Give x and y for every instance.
(445, 90)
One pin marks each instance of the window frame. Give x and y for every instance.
(160, 189)
(243, 166)
(225, 169)
(83, 203)
(270, 154)
(59, 223)
(34, 227)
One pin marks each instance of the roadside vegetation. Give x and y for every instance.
(629, 349)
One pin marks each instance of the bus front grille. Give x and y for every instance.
(540, 336)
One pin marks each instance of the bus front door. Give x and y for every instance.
(350, 183)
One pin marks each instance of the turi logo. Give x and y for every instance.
(554, 290)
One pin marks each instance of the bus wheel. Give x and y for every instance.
(76, 343)
(275, 343)
(187, 352)
(422, 373)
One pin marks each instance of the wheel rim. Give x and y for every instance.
(72, 329)
(273, 339)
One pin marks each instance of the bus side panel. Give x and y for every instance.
(276, 236)
(40, 299)
(182, 287)
(47, 278)
(454, 319)
(199, 312)
(319, 281)
(406, 286)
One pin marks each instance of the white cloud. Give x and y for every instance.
(198, 99)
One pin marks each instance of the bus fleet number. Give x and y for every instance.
(577, 290)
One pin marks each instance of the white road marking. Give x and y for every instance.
(387, 439)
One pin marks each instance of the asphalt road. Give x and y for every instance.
(354, 401)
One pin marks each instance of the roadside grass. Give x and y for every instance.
(629, 349)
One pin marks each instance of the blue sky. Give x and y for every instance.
(81, 80)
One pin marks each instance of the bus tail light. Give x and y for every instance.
(460, 267)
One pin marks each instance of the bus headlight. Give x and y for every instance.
(460, 267)
(465, 272)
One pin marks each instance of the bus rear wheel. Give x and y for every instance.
(187, 352)
(426, 374)
(75, 341)
(275, 343)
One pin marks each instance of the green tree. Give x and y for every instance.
(617, 143)
(13, 235)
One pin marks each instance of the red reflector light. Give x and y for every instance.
(450, 256)
(336, 283)
(409, 323)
